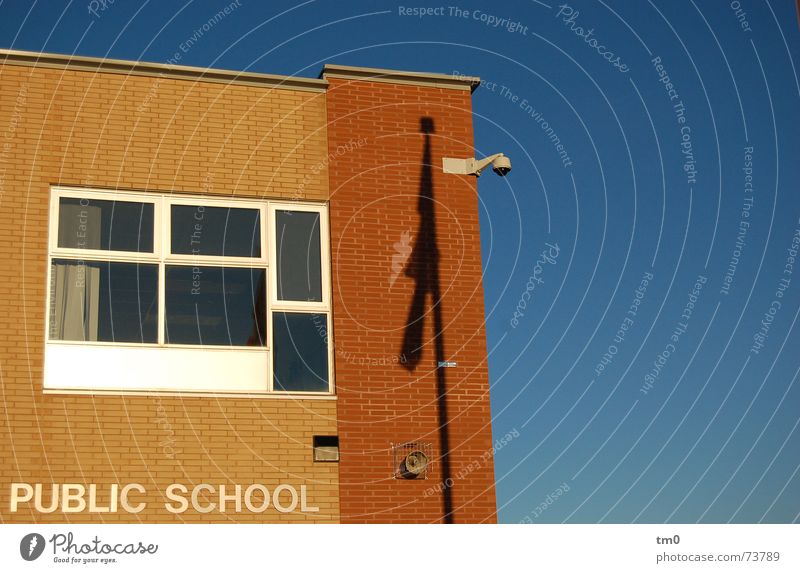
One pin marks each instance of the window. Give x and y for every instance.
(300, 351)
(298, 268)
(100, 224)
(154, 292)
(103, 301)
(224, 231)
(215, 306)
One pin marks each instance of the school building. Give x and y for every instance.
(239, 297)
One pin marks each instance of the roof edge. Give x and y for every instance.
(130, 67)
(455, 81)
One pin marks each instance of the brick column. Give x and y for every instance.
(407, 293)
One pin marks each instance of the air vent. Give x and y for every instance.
(411, 460)
(326, 448)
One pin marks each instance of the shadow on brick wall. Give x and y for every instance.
(423, 268)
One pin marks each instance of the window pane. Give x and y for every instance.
(300, 350)
(198, 230)
(105, 225)
(298, 253)
(103, 301)
(215, 306)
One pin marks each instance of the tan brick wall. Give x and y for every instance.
(146, 133)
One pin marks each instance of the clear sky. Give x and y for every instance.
(641, 295)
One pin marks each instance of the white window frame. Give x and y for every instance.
(163, 257)
(229, 261)
(99, 254)
(171, 259)
(300, 305)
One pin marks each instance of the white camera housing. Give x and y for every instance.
(471, 166)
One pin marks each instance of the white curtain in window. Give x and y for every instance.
(74, 308)
(75, 287)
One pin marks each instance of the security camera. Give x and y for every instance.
(471, 166)
(501, 166)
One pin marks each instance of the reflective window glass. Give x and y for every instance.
(300, 351)
(215, 231)
(103, 301)
(215, 306)
(297, 240)
(105, 225)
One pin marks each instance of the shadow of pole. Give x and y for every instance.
(423, 267)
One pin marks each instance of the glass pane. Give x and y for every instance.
(300, 351)
(299, 264)
(198, 230)
(105, 225)
(215, 306)
(103, 301)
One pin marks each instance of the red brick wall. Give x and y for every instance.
(384, 203)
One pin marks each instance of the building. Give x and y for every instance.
(218, 297)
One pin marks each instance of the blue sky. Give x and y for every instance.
(652, 182)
